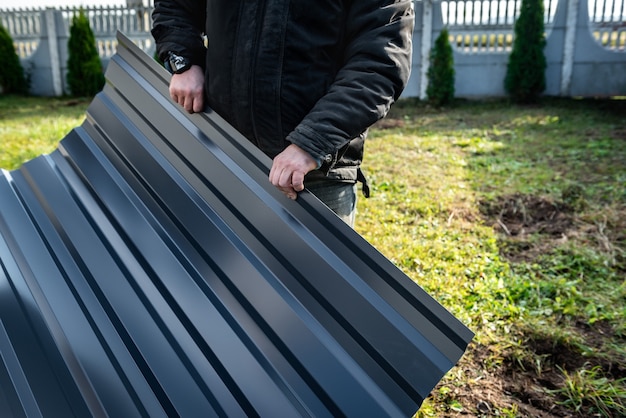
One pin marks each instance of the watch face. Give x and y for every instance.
(178, 64)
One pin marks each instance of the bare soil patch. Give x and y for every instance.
(518, 385)
(518, 217)
(521, 215)
(531, 226)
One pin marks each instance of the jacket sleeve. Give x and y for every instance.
(376, 68)
(178, 26)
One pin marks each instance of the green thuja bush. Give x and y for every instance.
(525, 76)
(157, 59)
(84, 69)
(440, 88)
(12, 79)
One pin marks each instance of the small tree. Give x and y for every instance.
(84, 69)
(440, 88)
(12, 79)
(525, 76)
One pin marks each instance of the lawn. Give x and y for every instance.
(30, 126)
(513, 217)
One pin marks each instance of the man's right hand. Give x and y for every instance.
(187, 89)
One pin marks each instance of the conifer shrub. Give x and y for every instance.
(525, 76)
(157, 59)
(84, 69)
(440, 88)
(12, 78)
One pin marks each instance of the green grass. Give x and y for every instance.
(514, 218)
(32, 126)
(589, 387)
(546, 299)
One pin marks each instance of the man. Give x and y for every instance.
(301, 79)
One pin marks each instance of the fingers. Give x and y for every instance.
(297, 181)
(192, 103)
(282, 180)
(289, 168)
(198, 104)
(187, 89)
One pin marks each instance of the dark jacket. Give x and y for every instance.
(316, 73)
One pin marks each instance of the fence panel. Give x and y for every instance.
(106, 21)
(608, 23)
(480, 26)
(481, 32)
(25, 29)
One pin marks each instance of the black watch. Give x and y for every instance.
(176, 64)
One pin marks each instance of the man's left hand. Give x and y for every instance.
(289, 168)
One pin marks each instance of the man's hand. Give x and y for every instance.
(289, 168)
(187, 89)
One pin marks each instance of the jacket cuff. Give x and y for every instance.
(311, 142)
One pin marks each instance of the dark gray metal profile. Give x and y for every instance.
(148, 268)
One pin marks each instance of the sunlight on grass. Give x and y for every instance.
(512, 217)
(431, 179)
(588, 387)
(422, 216)
(30, 127)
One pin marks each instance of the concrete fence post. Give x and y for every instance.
(569, 45)
(53, 51)
(427, 35)
(585, 49)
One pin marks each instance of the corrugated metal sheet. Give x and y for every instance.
(150, 269)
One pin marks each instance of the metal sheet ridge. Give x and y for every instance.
(148, 268)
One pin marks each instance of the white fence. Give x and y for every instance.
(41, 36)
(586, 43)
(585, 48)
(27, 27)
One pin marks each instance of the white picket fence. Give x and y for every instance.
(28, 26)
(584, 38)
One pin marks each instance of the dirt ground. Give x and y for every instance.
(521, 387)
